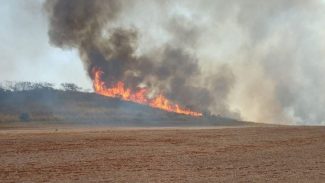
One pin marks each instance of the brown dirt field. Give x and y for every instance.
(250, 154)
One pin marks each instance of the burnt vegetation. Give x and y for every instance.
(43, 102)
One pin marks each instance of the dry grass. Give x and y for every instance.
(258, 154)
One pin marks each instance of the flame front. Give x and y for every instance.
(120, 91)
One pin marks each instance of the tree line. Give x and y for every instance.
(10, 86)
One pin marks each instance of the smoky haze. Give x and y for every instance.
(251, 60)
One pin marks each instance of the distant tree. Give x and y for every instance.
(70, 87)
(22, 86)
(42, 86)
(37, 86)
(9, 85)
(24, 117)
(25, 86)
(2, 89)
(48, 85)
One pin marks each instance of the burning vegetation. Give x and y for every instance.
(140, 96)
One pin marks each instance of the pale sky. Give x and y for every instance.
(26, 54)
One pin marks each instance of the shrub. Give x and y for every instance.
(24, 117)
(70, 87)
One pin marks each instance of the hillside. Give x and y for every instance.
(84, 108)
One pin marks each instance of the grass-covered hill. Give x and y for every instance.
(72, 106)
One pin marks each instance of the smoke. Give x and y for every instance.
(256, 60)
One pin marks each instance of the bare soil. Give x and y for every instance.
(249, 154)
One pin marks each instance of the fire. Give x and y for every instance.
(120, 91)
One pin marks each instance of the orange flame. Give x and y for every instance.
(120, 91)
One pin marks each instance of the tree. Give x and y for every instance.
(9, 85)
(42, 86)
(70, 87)
(2, 90)
(25, 86)
(22, 86)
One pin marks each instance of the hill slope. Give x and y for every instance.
(78, 107)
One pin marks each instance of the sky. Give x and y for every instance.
(267, 58)
(26, 54)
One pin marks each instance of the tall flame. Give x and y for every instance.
(120, 91)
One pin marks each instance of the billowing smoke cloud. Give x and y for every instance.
(256, 60)
(170, 68)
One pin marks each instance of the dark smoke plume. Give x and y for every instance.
(89, 27)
